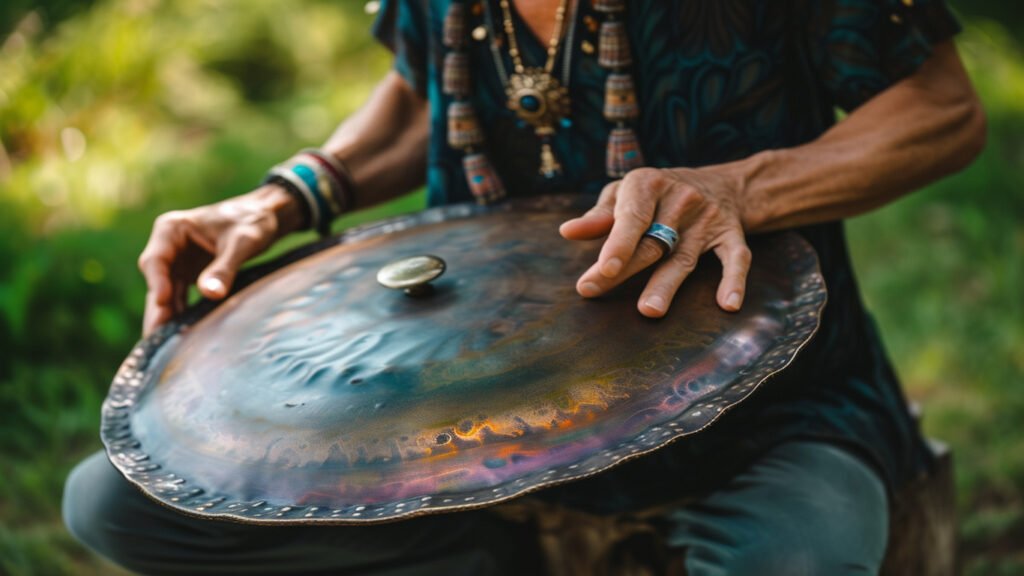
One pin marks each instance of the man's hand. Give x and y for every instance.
(921, 128)
(700, 204)
(208, 245)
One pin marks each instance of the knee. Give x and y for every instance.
(94, 507)
(795, 514)
(78, 506)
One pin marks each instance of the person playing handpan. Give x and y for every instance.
(694, 124)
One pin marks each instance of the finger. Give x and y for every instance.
(597, 222)
(657, 296)
(634, 212)
(735, 256)
(154, 263)
(594, 282)
(180, 297)
(216, 279)
(155, 314)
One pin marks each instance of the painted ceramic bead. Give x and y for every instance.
(623, 152)
(454, 34)
(482, 179)
(620, 98)
(609, 6)
(613, 46)
(456, 74)
(463, 128)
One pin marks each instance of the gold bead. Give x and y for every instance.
(896, 19)
(908, 3)
(587, 47)
(480, 33)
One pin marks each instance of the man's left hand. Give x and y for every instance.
(701, 204)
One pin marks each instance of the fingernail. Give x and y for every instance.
(612, 268)
(656, 303)
(214, 286)
(589, 290)
(734, 300)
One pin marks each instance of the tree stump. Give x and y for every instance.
(922, 523)
(922, 533)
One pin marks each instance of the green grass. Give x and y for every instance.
(942, 269)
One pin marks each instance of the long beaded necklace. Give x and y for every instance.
(536, 96)
(620, 104)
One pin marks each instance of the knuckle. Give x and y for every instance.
(634, 211)
(742, 255)
(647, 174)
(713, 212)
(645, 179)
(170, 218)
(650, 250)
(684, 260)
(247, 234)
(690, 198)
(608, 192)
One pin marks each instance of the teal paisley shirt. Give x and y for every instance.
(717, 80)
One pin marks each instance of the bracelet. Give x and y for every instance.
(320, 183)
(326, 179)
(299, 188)
(312, 179)
(341, 174)
(296, 195)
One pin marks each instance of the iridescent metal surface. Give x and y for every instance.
(315, 395)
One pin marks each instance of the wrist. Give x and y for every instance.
(282, 205)
(748, 174)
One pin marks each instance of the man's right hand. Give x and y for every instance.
(208, 245)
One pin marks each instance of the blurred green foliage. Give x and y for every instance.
(114, 111)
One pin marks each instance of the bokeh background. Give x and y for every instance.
(113, 111)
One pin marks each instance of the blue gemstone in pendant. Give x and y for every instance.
(566, 123)
(529, 103)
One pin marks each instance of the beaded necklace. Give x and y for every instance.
(536, 96)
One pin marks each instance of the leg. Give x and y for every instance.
(110, 516)
(806, 508)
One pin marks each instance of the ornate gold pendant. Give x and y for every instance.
(539, 100)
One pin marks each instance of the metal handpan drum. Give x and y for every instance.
(316, 395)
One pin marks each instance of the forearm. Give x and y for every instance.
(917, 131)
(384, 144)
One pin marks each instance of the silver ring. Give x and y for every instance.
(665, 235)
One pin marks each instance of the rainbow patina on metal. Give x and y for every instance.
(314, 395)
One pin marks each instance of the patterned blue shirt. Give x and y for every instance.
(717, 80)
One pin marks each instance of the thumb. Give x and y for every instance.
(597, 222)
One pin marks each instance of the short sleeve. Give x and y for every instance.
(861, 47)
(401, 26)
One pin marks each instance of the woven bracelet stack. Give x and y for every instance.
(321, 185)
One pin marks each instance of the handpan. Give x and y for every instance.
(315, 395)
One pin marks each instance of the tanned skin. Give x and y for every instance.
(920, 129)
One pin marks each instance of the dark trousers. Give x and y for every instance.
(805, 508)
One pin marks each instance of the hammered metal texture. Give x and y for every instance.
(314, 395)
